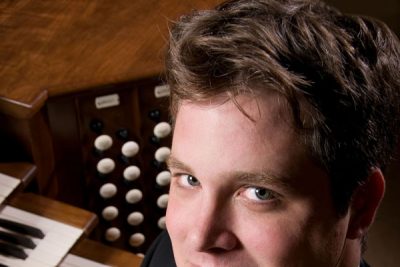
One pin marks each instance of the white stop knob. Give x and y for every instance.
(109, 213)
(112, 234)
(162, 129)
(136, 239)
(135, 218)
(108, 190)
(162, 154)
(130, 149)
(131, 173)
(103, 142)
(162, 201)
(161, 223)
(105, 166)
(163, 178)
(133, 196)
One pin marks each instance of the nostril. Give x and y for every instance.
(217, 251)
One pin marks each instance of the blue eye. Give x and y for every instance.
(259, 194)
(187, 180)
(262, 193)
(192, 180)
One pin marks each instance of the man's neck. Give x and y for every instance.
(351, 254)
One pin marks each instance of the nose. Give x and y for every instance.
(212, 231)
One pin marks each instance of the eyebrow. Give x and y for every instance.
(173, 162)
(263, 178)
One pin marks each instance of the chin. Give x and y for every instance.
(212, 261)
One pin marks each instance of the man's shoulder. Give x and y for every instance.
(364, 264)
(160, 253)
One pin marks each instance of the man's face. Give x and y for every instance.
(244, 193)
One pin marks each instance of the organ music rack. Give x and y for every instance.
(56, 59)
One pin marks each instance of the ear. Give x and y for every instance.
(365, 203)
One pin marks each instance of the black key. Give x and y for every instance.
(11, 250)
(2, 265)
(17, 239)
(21, 228)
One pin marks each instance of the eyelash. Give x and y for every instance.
(183, 182)
(272, 196)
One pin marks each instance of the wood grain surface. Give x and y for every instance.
(53, 47)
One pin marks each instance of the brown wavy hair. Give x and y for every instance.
(339, 74)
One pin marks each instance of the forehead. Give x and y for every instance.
(255, 108)
(251, 130)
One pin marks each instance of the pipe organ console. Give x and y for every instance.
(83, 105)
(84, 127)
(116, 166)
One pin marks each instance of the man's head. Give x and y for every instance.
(291, 91)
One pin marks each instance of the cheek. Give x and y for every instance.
(171, 215)
(274, 242)
(291, 238)
(177, 218)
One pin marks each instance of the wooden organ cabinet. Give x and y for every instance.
(112, 143)
(84, 117)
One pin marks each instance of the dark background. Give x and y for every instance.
(384, 237)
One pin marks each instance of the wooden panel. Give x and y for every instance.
(104, 254)
(21, 170)
(30, 140)
(55, 210)
(60, 46)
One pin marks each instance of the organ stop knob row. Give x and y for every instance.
(163, 178)
(135, 240)
(131, 173)
(162, 129)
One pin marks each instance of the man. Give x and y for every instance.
(285, 114)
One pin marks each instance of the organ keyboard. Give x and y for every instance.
(60, 224)
(50, 250)
(7, 185)
(27, 239)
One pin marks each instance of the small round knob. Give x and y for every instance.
(130, 149)
(154, 140)
(105, 166)
(162, 201)
(112, 234)
(133, 196)
(123, 134)
(163, 178)
(96, 126)
(136, 239)
(108, 190)
(103, 142)
(135, 218)
(155, 114)
(162, 129)
(162, 154)
(161, 223)
(131, 173)
(109, 213)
